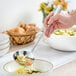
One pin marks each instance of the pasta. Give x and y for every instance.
(65, 32)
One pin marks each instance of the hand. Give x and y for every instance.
(60, 21)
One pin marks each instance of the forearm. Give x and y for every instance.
(73, 16)
(73, 13)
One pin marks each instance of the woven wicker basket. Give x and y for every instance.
(21, 39)
(23, 33)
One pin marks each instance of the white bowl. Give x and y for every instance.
(63, 43)
(4, 51)
(45, 66)
(4, 46)
(3, 39)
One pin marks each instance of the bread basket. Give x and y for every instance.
(21, 39)
(28, 35)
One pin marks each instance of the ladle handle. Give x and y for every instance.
(37, 42)
(58, 10)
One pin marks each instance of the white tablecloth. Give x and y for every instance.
(43, 51)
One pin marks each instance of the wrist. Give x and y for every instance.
(73, 13)
(73, 18)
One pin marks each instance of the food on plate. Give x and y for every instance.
(65, 32)
(23, 60)
(38, 68)
(23, 33)
(27, 70)
(27, 66)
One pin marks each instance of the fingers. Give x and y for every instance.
(46, 20)
(53, 19)
(49, 31)
(55, 22)
(52, 27)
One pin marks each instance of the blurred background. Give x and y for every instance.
(14, 11)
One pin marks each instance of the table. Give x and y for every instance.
(68, 69)
(65, 70)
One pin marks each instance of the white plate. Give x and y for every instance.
(43, 51)
(4, 45)
(3, 39)
(42, 65)
(4, 51)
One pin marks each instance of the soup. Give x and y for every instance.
(65, 32)
(27, 66)
(27, 70)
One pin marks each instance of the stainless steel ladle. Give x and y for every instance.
(30, 54)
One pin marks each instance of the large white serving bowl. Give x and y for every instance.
(45, 66)
(63, 43)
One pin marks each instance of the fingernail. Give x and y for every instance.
(50, 22)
